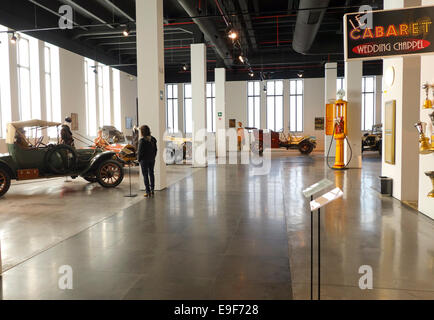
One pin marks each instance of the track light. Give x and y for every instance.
(126, 32)
(241, 58)
(13, 38)
(233, 35)
(251, 73)
(300, 74)
(185, 67)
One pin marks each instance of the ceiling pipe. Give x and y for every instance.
(210, 31)
(109, 4)
(308, 24)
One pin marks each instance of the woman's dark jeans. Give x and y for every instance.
(148, 174)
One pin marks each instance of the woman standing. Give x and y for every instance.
(146, 156)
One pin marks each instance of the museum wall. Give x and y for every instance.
(426, 162)
(405, 90)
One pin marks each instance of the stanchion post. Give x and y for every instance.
(129, 178)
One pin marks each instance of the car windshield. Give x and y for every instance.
(33, 137)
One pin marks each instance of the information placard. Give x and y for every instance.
(326, 199)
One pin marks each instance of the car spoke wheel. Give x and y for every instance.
(5, 181)
(110, 174)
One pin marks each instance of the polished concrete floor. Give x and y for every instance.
(36, 215)
(223, 233)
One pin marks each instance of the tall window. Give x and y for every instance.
(89, 83)
(296, 105)
(52, 86)
(254, 104)
(24, 87)
(28, 78)
(117, 111)
(368, 103)
(104, 103)
(172, 108)
(339, 84)
(210, 107)
(275, 105)
(188, 108)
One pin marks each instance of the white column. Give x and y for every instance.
(331, 75)
(198, 86)
(353, 88)
(220, 106)
(150, 82)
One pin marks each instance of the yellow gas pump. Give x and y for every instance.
(336, 121)
(340, 132)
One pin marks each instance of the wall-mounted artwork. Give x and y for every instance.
(390, 131)
(74, 123)
(232, 123)
(319, 124)
(128, 123)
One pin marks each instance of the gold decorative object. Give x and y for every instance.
(432, 133)
(425, 147)
(430, 174)
(428, 103)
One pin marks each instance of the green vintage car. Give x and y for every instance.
(30, 158)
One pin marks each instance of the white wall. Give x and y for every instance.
(128, 100)
(426, 163)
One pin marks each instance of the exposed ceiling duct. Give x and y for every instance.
(309, 18)
(209, 29)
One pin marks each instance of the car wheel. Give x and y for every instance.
(91, 179)
(5, 181)
(306, 148)
(110, 174)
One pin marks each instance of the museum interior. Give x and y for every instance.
(293, 156)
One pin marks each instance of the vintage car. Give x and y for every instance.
(32, 158)
(304, 144)
(373, 140)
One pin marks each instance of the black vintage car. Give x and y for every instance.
(372, 141)
(31, 158)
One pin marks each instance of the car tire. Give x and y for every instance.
(306, 148)
(5, 181)
(110, 174)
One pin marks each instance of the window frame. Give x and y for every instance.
(210, 106)
(256, 109)
(185, 109)
(175, 105)
(296, 95)
(20, 66)
(366, 93)
(268, 95)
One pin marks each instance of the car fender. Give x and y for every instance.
(4, 164)
(96, 161)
